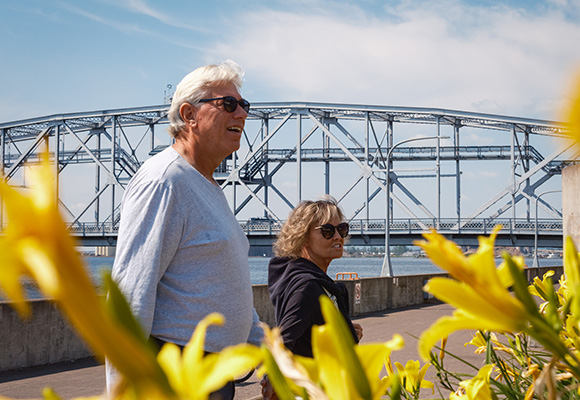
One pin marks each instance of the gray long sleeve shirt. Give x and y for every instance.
(181, 255)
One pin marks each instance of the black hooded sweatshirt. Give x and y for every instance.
(295, 286)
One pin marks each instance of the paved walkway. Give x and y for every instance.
(87, 378)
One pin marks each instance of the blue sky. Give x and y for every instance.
(513, 58)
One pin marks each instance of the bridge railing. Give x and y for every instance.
(93, 229)
(454, 225)
(262, 226)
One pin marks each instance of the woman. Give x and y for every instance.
(310, 239)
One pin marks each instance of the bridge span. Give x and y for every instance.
(469, 172)
(403, 232)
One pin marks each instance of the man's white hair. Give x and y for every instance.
(195, 86)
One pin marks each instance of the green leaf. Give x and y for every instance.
(120, 310)
(552, 306)
(488, 347)
(520, 286)
(345, 342)
(275, 376)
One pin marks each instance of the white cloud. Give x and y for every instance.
(134, 28)
(141, 7)
(498, 60)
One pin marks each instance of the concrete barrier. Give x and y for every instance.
(47, 338)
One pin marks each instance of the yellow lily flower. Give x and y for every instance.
(483, 300)
(11, 274)
(337, 382)
(571, 333)
(478, 291)
(289, 374)
(333, 347)
(480, 343)
(412, 375)
(193, 375)
(504, 370)
(532, 370)
(476, 388)
(49, 394)
(572, 272)
(539, 287)
(373, 357)
(36, 243)
(545, 290)
(478, 288)
(504, 275)
(346, 370)
(572, 113)
(443, 345)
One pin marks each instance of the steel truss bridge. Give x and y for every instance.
(421, 168)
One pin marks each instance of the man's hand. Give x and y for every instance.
(267, 389)
(359, 331)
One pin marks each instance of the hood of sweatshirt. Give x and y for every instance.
(286, 274)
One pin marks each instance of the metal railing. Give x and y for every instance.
(259, 226)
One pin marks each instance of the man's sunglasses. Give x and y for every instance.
(328, 230)
(230, 103)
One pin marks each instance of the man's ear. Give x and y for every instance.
(188, 113)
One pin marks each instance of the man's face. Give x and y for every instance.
(220, 131)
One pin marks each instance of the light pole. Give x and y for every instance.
(535, 262)
(387, 269)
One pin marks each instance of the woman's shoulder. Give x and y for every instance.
(305, 293)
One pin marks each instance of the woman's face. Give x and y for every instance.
(322, 251)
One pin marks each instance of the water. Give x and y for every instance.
(369, 267)
(365, 267)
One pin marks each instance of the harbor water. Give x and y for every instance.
(364, 267)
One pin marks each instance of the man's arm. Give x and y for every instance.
(149, 236)
(257, 333)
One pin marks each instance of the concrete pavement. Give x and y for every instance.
(87, 378)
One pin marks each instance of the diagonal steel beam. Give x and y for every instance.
(371, 197)
(519, 197)
(347, 134)
(411, 196)
(250, 154)
(264, 206)
(90, 204)
(281, 195)
(92, 155)
(37, 140)
(367, 171)
(518, 182)
(78, 149)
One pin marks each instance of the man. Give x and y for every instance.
(181, 253)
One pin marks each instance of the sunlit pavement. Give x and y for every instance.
(87, 377)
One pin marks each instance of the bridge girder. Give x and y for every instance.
(337, 149)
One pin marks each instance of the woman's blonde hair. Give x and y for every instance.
(294, 233)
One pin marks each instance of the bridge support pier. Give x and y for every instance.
(106, 251)
(571, 203)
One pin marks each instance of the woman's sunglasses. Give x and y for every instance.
(230, 103)
(328, 230)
